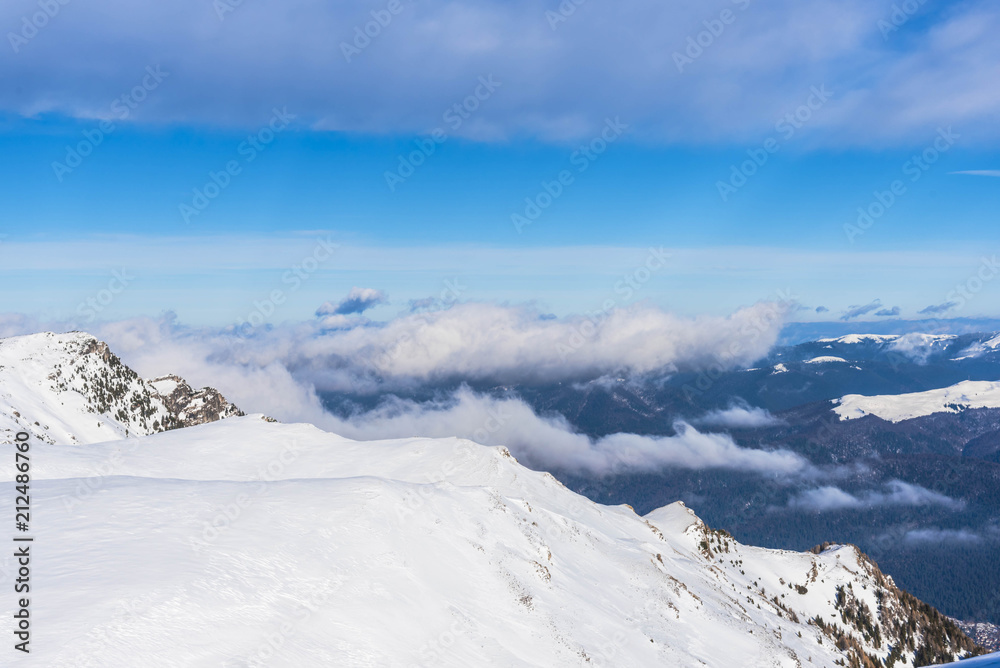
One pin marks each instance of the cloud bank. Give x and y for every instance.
(505, 344)
(465, 342)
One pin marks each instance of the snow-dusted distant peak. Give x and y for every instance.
(860, 338)
(70, 388)
(899, 407)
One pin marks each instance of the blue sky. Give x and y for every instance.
(542, 89)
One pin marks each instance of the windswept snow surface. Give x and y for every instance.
(246, 543)
(898, 407)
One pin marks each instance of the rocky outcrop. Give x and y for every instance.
(189, 406)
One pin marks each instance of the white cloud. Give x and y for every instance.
(547, 442)
(739, 417)
(483, 341)
(468, 341)
(918, 347)
(897, 493)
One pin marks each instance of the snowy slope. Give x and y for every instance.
(245, 542)
(898, 407)
(70, 388)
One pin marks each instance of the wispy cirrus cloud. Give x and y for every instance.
(980, 172)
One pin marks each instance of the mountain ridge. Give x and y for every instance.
(441, 536)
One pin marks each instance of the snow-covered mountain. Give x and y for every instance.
(245, 542)
(310, 549)
(70, 388)
(899, 407)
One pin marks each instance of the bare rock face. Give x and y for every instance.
(189, 406)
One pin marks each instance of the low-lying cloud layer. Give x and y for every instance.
(467, 342)
(550, 442)
(919, 347)
(896, 493)
(739, 417)
(480, 341)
